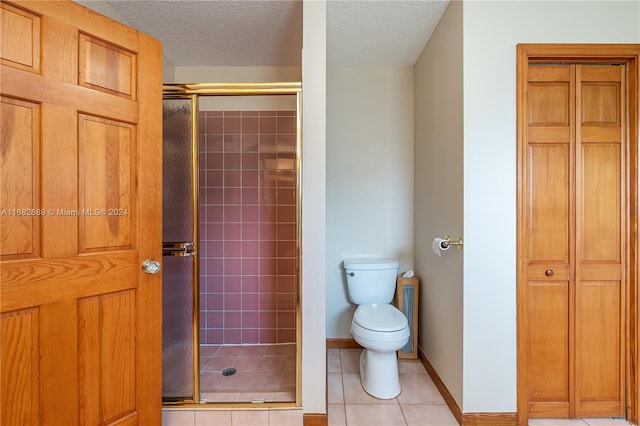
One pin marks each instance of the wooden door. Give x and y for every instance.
(81, 210)
(600, 240)
(575, 215)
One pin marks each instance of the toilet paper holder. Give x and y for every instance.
(448, 242)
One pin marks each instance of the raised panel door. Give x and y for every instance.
(550, 252)
(575, 215)
(81, 210)
(599, 240)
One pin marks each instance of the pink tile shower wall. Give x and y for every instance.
(247, 226)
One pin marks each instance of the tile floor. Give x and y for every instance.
(578, 422)
(264, 373)
(218, 417)
(418, 404)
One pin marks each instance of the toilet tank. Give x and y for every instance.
(371, 280)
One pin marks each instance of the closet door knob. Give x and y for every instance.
(549, 272)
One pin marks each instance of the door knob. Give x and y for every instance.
(549, 272)
(151, 266)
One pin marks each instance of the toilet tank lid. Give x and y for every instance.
(370, 264)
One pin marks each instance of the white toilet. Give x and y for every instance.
(377, 326)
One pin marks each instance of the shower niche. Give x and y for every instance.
(231, 216)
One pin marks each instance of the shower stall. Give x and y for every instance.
(231, 244)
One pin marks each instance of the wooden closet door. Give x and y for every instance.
(80, 194)
(599, 302)
(550, 248)
(574, 297)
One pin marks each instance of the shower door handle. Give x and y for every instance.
(178, 249)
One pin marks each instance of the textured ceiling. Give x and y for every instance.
(269, 32)
(380, 33)
(220, 33)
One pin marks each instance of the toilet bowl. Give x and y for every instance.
(377, 326)
(381, 329)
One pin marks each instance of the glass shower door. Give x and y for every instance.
(179, 343)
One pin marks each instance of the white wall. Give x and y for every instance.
(369, 175)
(248, 103)
(168, 71)
(192, 74)
(438, 197)
(490, 34)
(314, 82)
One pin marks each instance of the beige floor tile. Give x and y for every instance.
(247, 363)
(291, 362)
(350, 359)
(355, 394)
(273, 368)
(336, 415)
(210, 380)
(250, 418)
(253, 350)
(333, 361)
(219, 363)
(288, 389)
(285, 349)
(609, 421)
(265, 379)
(178, 418)
(229, 350)
(418, 389)
(288, 377)
(220, 396)
(285, 417)
(208, 350)
(374, 415)
(284, 396)
(212, 417)
(428, 415)
(272, 363)
(412, 367)
(238, 381)
(334, 389)
(556, 422)
(257, 397)
(250, 396)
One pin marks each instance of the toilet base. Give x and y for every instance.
(379, 374)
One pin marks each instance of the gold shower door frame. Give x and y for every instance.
(193, 91)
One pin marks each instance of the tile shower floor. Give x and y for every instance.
(264, 373)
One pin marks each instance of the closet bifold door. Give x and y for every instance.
(550, 252)
(600, 117)
(575, 218)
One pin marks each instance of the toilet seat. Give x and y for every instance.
(380, 317)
